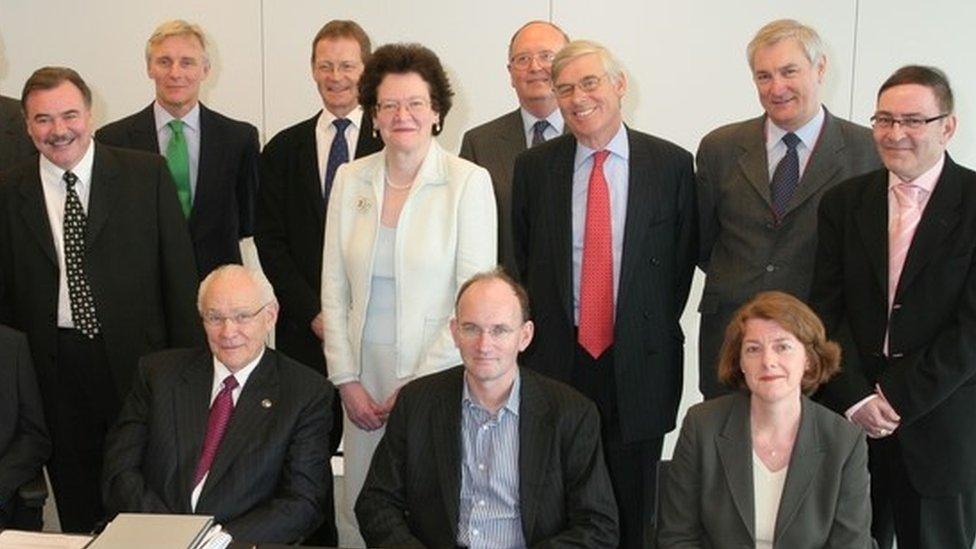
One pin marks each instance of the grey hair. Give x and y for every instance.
(265, 290)
(783, 29)
(579, 48)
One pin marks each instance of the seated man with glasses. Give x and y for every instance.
(239, 431)
(488, 454)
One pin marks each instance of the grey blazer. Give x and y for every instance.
(707, 498)
(494, 146)
(743, 250)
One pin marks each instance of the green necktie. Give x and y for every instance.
(178, 158)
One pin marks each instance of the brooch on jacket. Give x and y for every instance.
(363, 204)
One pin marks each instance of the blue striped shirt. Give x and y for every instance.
(490, 516)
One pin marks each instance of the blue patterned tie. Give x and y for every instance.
(786, 177)
(338, 153)
(539, 132)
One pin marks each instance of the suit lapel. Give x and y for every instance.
(512, 132)
(734, 445)
(142, 133)
(871, 219)
(308, 165)
(103, 195)
(33, 211)
(191, 405)
(938, 221)
(250, 415)
(561, 219)
(753, 161)
(535, 446)
(447, 446)
(212, 149)
(643, 205)
(824, 162)
(804, 464)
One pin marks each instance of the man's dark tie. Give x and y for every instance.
(220, 413)
(786, 177)
(338, 153)
(79, 292)
(539, 132)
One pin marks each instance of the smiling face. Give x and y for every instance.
(532, 82)
(404, 115)
(593, 116)
(59, 123)
(773, 361)
(336, 69)
(907, 152)
(178, 65)
(788, 83)
(236, 320)
(489, 331)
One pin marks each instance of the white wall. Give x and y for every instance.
(685, 60)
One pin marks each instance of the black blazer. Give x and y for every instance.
(24, 443)
(412, 493)
(708, 496)
(271, 472)
(289, 230)
(660, 245)
(227, 179)
(930, 374)
(138, 260)
(15, 144)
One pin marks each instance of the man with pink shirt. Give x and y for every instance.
(895, 283)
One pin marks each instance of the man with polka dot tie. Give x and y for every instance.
(97, 269)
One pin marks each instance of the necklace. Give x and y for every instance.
(397, 187)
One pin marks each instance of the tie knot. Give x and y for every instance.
(791, 140)
(599, 157)
(69, 179)
(176, 126)
(230, 383)
(540, 126)
(341, 124)
(907, 194)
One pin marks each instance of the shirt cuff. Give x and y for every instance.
(853, 409)
(340, 379)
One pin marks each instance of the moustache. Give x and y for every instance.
(61, 139)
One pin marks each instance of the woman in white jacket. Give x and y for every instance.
(405, 228)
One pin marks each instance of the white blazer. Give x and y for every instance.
(447, 231)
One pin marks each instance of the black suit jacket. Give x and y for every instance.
(660, 246)
(411, 496)
(289, 230)
(271, 472)
(15, 144)
(138, 260)
(24, 443)
(227, 179)
(929, 376)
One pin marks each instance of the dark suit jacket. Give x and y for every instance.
(412, 492)
(227, 179)
(660, 245)
(24, 443)
(15, 145)
(289, 230)
(743, 250)
(494, 146)
(707, 497)
(138, 260)
(929, 376)
(271, 472)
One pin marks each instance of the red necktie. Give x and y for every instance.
(220, 411)
(596, 278)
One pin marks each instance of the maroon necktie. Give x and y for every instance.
(596, 277)
(220, 411)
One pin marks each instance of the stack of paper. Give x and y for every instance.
(147, 531)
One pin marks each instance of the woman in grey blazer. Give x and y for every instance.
(767, 467)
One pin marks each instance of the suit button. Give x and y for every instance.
(770, 268)
(655, 261)
(897, 355)
(770, 226)
(895, 306)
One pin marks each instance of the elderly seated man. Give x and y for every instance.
(238, 431)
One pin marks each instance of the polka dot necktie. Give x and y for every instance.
(786, 177)
(596, 275)
(338, 153)
(80, 294)
(539, 132)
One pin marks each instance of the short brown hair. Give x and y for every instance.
(796, 318)
(930, 77)
(344, 28)
(497, 274)
(405, 59)
(48, 78)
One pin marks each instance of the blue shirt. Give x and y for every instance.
(489, 514)
(616, 170)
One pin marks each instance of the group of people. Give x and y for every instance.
(514, 406)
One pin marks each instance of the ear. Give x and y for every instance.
(455, 335)
(620, 85)
(821, 68)
(948, 128)
(525, 335)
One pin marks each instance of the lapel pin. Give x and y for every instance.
(266, 403)
(363, 204)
